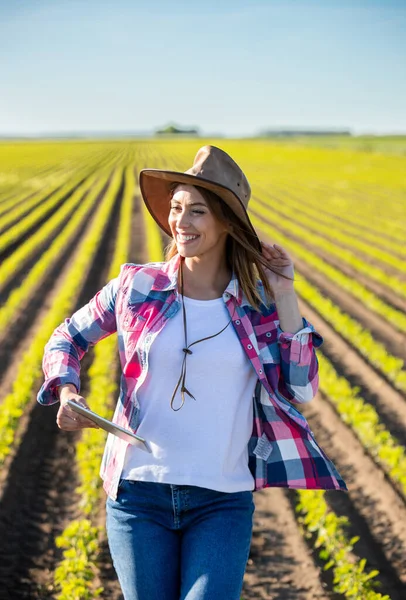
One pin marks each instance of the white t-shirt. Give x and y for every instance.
(205, 443)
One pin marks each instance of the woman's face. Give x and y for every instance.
(196, 231)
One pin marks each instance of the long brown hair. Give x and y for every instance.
(242, 256)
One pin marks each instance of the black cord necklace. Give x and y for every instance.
(187, 350)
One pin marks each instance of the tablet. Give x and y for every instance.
(124, 434)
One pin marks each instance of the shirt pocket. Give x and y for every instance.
(132, 321)
(268, 347)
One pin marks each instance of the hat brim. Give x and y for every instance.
(155, 187)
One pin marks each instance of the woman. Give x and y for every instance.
(214, 354)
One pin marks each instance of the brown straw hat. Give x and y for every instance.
(212, 169)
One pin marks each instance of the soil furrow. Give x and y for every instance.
(34, 228)
(138, 255)
(379, 243)
(349, 363)
(31, 514)
(382, 331)
(374, 502)
(385, 293)
(38, 497)
(389, 403)
(346, 246)
(280, 565)
(30, 261)
(21, 323)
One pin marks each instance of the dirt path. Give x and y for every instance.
(280, 566)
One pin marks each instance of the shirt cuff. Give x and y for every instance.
(296, 341)
(48, 394)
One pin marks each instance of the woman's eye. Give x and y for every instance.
(193, 211)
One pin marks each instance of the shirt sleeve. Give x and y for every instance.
(299, 377)
(72, 339)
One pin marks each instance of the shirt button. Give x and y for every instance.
(238, 322)
(249, 347)
(268, 334)
(226, 295)
(260, 371)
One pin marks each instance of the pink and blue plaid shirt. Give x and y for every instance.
(282, 449)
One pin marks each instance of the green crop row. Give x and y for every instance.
(21, 296)
(356, 289)
(19, 194)
(29, 369)
(33, 217)
(24, 205)
(13, 181)
(364, 421)
(375, 352)
(345, 256)
(312, 221)
(16, 260)
(304, 206)
(350, 578)
(74, 576)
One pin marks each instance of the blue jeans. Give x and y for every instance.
(179, 542)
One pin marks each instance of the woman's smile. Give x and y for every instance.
(183, 238)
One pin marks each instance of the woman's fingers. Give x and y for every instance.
(70, 420)
(274, 252)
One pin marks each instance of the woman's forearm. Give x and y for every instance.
(290, 319)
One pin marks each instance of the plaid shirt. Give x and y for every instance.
(137, 304)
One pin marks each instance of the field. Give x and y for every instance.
(70, 215)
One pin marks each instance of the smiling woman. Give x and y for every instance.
(198, 234)
(214, 354)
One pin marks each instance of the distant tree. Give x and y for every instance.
(175, 130)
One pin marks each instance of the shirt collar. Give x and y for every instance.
(167, 280)
(233, 289)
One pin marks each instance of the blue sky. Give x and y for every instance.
(230, 67)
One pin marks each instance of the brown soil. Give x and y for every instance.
(343, 219)
(382, 291)
(39, 479)
(280, 566)
(37, 484)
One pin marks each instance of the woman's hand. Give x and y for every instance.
(67, 419)
(279, 260)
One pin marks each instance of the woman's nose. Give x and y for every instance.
(183, 219)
